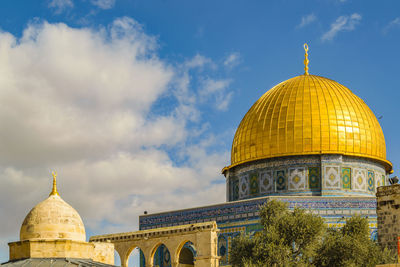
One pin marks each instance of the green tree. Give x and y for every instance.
(299, 238)
(351, 246)
(287, 239)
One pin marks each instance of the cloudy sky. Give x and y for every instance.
(135, 102)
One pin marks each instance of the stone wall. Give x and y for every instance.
(62, 248)
(388, 212)
(103, 252)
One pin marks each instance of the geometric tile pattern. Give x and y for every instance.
(359, 180)
(332, 177)
(280, 180)
(222, 249)
(314, 178)
(254, 186)
(234, 211)
(346, 178)
(235, 188)
(297, 178)
(244, 186)
(266, 182)
(379, 179)
(371, 181)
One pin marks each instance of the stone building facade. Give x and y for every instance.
(388, 211)
(308, 141)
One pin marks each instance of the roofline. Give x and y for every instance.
(388, 165)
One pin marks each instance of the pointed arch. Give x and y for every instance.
(186, 253)
(160, 256)
(135, 251)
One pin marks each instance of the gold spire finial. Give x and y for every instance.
(54, 191)
(306, 59)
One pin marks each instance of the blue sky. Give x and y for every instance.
(135, 103)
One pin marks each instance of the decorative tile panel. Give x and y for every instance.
(244, 186)
(231, 212)
(222, 249)
(359, 180)
(235, 188)
(371, 181)
(332, 177)
(314, 178)
(266, 182)
(379, 179)
(297, 180)
(280, 180)
(346, 178)
(254, 185)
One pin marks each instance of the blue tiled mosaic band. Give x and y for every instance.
(248, 209)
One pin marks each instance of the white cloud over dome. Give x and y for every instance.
(80, 100)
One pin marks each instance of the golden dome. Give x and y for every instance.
(53, 218)
(308, 115)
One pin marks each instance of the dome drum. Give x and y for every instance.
(309, 175)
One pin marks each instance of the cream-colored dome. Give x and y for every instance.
(53, 218)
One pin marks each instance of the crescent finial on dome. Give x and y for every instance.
(306, 61)
(54, 191)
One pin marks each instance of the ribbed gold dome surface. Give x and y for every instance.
(308, 115)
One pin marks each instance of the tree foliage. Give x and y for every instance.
(351, 246)
(300, 238)
(288, 238)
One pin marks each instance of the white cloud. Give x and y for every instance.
(216, 90)
(199, 61)
(104, 4)
(232, 60)
(306, 20)
(342, 23)
(392, 24)
(81, 101)
(214, 86)
(60, 5)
